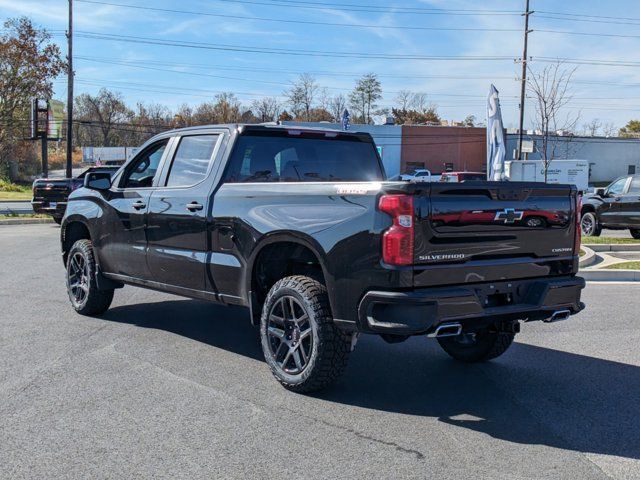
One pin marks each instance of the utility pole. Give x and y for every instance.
(523, 86)
(70, 92)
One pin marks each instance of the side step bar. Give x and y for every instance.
(446, 330)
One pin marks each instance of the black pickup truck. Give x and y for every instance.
(50, 194)
(300, 226)
(616, 207)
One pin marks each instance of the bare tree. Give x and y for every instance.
(102, 116)
(301, 95)
(549, 88)
(593, 127)
(420, 102)
(266, 109)
(404, 99)
(337, 106)
(609, 129)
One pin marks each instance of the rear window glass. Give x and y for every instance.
(263, 158)
(192, 160)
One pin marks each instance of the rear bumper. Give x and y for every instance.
(474, 306)
(44, 206)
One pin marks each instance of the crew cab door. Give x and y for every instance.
(630, 204)
(611, 211)
(178, 208)
(122, 239)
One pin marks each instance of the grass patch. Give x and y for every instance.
(14, 191)
(624, 266)
(607, 240)
(7, 216)
(582, 253)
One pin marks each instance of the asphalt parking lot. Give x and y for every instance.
(166, 387)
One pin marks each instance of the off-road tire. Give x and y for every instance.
(597, 229)
(57, 219)
(96, 301)
(330, 346)
(487, 345)
(635, 232)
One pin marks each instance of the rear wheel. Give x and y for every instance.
(589, 225)
(301, 344)
(635, 232)
(478, 346)
(82, 287)
(57, 219)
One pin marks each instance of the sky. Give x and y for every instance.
(256, 48)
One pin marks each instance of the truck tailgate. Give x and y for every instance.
(490, 231)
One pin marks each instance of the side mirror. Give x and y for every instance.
(98, 180)
(601, 192)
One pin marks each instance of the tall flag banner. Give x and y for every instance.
(346, 124)
(496, 145)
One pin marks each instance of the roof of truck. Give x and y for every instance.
(265, 127)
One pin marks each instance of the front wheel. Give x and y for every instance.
(301, 344)
(589, 225)
(478, 346)
(57, 219)
(635, 232)
(82, 287)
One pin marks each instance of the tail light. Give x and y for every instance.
(578, 237)
(397, 241)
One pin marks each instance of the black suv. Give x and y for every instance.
(616, 207)
(300, 226)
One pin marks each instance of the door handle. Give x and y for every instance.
(139, 205)
(194, 206)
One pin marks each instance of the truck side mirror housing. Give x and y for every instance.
(601, 192)
(98, 180)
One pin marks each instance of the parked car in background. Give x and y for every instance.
(301, 226)
(50, 194)
(457, 177)
(616, 207)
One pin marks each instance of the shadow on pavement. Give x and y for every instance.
(531, 395)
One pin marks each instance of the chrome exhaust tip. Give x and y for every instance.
(558, 315)
(446, 330)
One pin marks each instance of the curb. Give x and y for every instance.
(610, 275)
(26, 221)
(613, 247)
(589, 257)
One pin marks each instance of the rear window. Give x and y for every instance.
(286, 158)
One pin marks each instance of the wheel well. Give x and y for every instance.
(279, 260)
(72, 233)
(587, 208)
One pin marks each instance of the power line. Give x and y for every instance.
(320, 73)
(284, 51)
(300, 22)
(349, 25)
(373, 9)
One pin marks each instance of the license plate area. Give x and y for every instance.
(53, 204)
(498, 295)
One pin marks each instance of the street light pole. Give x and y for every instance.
(70, 93)
(523, 85)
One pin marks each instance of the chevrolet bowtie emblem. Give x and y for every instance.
(509, 215)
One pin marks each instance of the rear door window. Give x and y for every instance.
(268, 157)
(192, 160)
